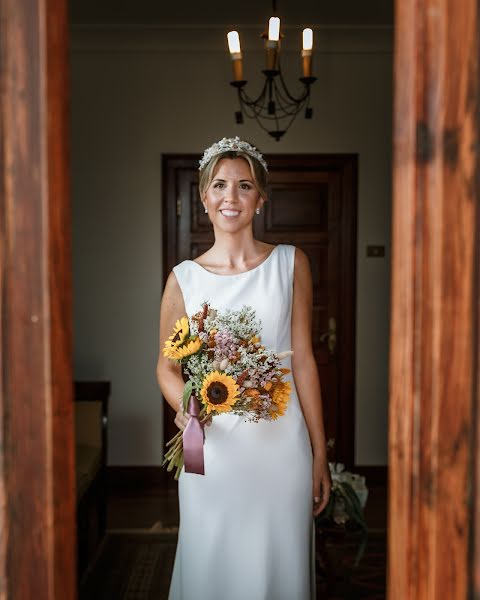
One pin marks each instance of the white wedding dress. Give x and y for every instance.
(246, 527)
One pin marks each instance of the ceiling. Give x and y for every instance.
(222, 12)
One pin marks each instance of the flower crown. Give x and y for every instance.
(229, 144)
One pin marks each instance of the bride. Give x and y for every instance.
(247, 525)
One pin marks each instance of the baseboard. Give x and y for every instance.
(153, 476)
(139, 477)
(375, 475)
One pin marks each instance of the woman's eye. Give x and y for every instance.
(244, 186)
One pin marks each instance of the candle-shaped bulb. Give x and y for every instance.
(274, 29)
(235, 54)
(233, 42)
(307, 39)
(307, 52)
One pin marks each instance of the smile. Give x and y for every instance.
(230, 213)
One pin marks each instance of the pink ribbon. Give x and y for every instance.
(193, 439)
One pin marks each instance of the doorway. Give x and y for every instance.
(434, 420)
(312, 205)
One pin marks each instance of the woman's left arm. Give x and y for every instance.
(307, 381)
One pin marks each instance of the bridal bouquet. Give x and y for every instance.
(227, 368)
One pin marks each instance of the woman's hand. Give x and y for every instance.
(322, 483)
(182, 418)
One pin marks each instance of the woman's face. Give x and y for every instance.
(231, 198)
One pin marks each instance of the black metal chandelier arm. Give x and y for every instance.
(271, 118)
(286, 98)
(257, 108)
(274, 93)
(304, 95)
(258, 118)
(245, 101)
(288, 108)
(262, 126)
(287, 104)
(253, 101)
(261, 110)
(251, 108)
(289, 124)
(282, 113)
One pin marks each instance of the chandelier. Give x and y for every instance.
(275, 108)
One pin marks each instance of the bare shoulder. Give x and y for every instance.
(171, 285)
(172, 299)
(202, 259)
(302, 305)
(301, 265)
(267, 248)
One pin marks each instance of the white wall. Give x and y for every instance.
(137, 94)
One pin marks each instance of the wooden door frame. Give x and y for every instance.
(37, 469)
(434, 419)
(347, 164)
(434, 549)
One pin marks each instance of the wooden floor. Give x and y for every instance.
(156, 509)
(142, 509)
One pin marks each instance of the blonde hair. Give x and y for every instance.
(258, 172)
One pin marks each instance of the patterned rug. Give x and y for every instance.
(131, 565)
(137, 565)
(338, 578)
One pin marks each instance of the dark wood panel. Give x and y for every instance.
(297, 208)
(37, 514)
(318, 257)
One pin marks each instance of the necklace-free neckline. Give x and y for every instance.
(242, 272)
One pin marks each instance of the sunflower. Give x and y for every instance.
(179, 335)
(219, 392)
(280, 395)
(191, 347)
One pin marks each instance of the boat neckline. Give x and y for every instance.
(242, 272)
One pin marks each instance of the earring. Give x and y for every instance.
(206, 209)
(257, 210)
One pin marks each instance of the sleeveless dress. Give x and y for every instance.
(246, 527)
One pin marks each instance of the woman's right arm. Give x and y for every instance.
(169, 375)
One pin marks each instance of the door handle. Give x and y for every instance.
(330, 335)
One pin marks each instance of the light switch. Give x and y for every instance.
(375, 251)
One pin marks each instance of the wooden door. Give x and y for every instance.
(434, 435)
(312, 204)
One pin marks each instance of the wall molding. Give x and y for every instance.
(212, 38)
(146, 476)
